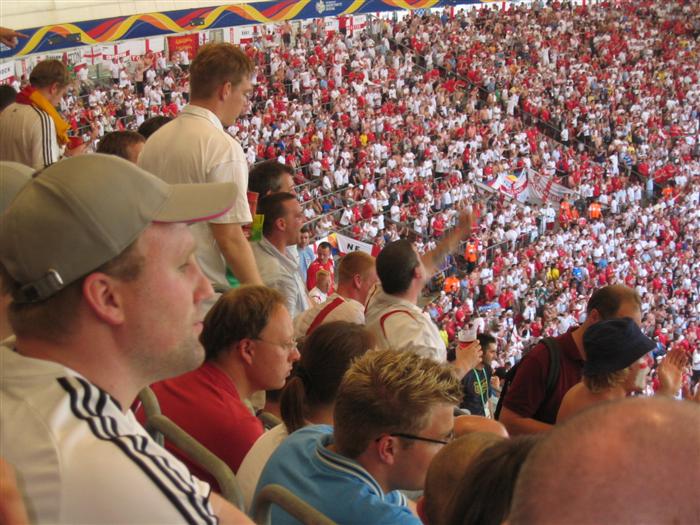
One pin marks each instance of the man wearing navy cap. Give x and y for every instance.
(616, 366)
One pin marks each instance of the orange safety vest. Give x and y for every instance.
(470, 252)
(594, 211)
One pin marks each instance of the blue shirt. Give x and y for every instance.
(335, 485)
(306, 257)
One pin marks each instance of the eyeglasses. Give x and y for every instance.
(421, 438)
(289, 346)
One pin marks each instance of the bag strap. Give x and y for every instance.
(554, 365)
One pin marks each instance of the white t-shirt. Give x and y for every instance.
(348, 310)
(194, 148)
(80, 459)
(401, 325)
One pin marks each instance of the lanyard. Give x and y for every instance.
(481, 390)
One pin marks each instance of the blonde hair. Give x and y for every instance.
(387, 391)
(354, 263)
(600, 382)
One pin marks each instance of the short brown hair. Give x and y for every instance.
(241, 313)
(609, 299)
(54, 318)
(49, 72)
(216, 64)
(273, 208)
(387, 391)
(118, 142)
(354, 263)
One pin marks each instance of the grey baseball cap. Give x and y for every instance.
(13, 176)
(82, 212)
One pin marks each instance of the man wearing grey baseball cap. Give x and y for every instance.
(106, 300)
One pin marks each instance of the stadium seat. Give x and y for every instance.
(278, 495)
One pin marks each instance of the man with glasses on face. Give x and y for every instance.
(393, 413)
(249, 346)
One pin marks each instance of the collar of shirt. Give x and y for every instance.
(346, 466)
(199, 111)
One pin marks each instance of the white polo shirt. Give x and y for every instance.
(194, 148)
(401, 325)
(80, 459)
(335, 308)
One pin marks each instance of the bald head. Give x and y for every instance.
(468, 424)
(597, 467)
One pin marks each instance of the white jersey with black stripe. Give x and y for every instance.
(80, 459)
(28, 136)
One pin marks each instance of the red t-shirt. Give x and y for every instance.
(206, 405)
(313, 269)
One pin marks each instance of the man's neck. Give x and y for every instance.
(410, 295)
(238, 377)
(577, 336)
(211, 105)
(322, 415)
(278, 242)
(348, 292)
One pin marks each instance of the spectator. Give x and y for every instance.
(7, 96)
(195, 148)
(323, 261)
(153, 124)
(476, 384)
(616, 366)
(527, 408)
(319, 293)
(308, 397)
(445, 472)
(125, 144)
(603, 446)
(392, 414)
(271, 176)
(275, 254)
(247, 339)
(33, 132)
(305, 251)
(121, 276)
(13, 177)
(403, 274)
(483, 495)
(356, 277)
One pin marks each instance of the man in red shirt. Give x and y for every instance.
(248, 338)
(323, 261)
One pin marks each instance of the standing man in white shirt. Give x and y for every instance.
(195, 148)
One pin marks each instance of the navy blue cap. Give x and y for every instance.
(613, 345)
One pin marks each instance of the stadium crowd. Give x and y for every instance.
(399, 136)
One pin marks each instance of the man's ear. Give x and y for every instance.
(246, 349)
(386, 449)
(594, 316)
(357, 280)
(102, 294)
(224, 90)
